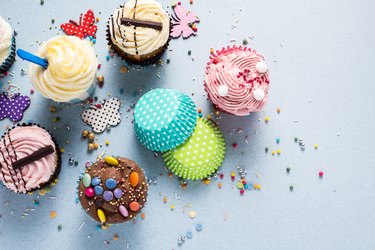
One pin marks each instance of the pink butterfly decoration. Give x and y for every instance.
(184, 22)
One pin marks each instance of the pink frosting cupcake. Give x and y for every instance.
(29, 158)
(237, 81)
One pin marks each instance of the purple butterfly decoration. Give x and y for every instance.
(13, 106)
(183, 22)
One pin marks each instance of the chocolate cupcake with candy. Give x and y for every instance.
(113, 190)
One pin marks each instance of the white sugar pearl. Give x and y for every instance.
(222, 90)
(261, 67)
(258, 94)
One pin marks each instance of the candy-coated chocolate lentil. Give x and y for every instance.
(86, 180)
(108, 195)
(118, 193)
(134, 179)
(134, 206)
(123, 211)
(111, 161)
(95, 181)
(101, 215)
(98, 190)
(110, 183)
(89, 192)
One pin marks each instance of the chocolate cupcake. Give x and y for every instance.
(29, 158)
(113, 190)
(7, 46)
(139, 31)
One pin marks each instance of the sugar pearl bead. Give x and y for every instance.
(258, 94)
(222, 90)
(261, 67)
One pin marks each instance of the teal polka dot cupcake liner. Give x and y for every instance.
(201, 155)
(164, 119)
(8, 62)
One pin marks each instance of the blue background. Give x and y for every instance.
(321, 58)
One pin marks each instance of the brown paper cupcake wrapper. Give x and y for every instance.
(58, 153)
(152, 58)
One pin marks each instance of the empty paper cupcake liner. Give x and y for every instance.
(178, 127)
(58, 154)
(8, 62)
(201, 155)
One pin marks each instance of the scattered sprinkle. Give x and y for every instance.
(52, 214)
(198, 227)
(192, 214)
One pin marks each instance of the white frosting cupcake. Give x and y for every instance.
(139, 42)
(70, 74)
(7, 46)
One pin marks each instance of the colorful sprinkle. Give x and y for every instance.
(192, 214)
(52, 214)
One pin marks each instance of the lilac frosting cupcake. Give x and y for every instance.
(29, 158)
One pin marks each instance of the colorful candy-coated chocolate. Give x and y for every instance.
(134, 179)
(89, 192)
(99, 202)
(123, 211)
(95, 181)
(110, 183)
(118, 193)
(98, 190)
(134, 206)
(101, 215)
(108, 195)
(86, 180)
(111, 161)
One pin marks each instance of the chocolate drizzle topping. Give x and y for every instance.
(42, 152)
(140, 23)
(135, 28)
(16, 183)
(15, 155)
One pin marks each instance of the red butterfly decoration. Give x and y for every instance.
(84, 28)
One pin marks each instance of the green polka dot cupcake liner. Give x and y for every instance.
(201, 155)
(164, 119)
(8, 62)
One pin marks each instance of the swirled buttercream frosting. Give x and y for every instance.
(237, 81)
(22, 166)
(6, 34)
(137, 39)
(70, 74)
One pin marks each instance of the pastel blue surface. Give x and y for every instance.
(321, 59)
